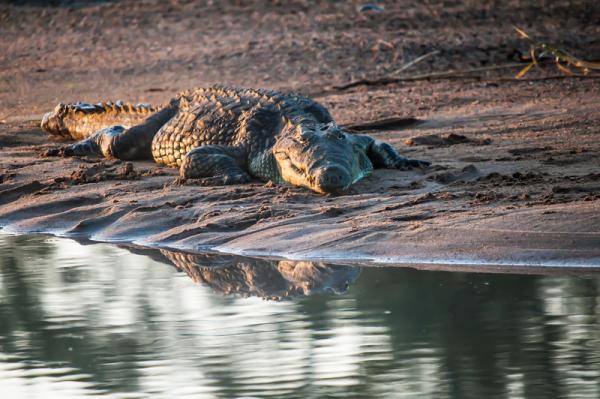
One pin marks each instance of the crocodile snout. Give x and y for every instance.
(333, 179)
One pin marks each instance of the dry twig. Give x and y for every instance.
(414, 62)
(562, 59)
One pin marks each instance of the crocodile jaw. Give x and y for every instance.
(316, 178)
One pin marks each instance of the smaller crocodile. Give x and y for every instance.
(229, 135)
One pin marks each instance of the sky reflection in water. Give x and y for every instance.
(77, 321)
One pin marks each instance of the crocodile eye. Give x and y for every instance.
(338, 135)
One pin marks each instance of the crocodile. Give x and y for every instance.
(224, 135)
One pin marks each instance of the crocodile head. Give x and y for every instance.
(324, 158)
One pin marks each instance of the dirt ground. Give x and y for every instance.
(516, 170)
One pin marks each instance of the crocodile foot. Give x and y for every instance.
(212, 165)
(101, 143)
(84, 147)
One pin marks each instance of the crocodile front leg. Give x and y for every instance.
(213, 164)
(383, 155)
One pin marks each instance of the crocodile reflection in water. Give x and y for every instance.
(271, 279)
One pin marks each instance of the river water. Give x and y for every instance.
(78, 321)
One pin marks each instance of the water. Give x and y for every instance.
(81, 321)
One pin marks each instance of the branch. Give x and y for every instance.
(383, 124)
(414, 62)
(436, 75)
(465, 74)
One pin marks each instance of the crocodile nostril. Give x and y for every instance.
(330, 178)
(333, 178)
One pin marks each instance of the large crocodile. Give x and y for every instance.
(229, 135)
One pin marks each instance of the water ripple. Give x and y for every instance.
(86, 321)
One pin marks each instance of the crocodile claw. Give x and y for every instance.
(86, 147)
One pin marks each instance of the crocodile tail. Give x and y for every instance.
(80, 120)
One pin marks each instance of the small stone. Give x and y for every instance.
(370, 7)
(127, 168)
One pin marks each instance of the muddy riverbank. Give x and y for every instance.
(515, 176)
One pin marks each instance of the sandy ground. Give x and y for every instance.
(516, 175)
